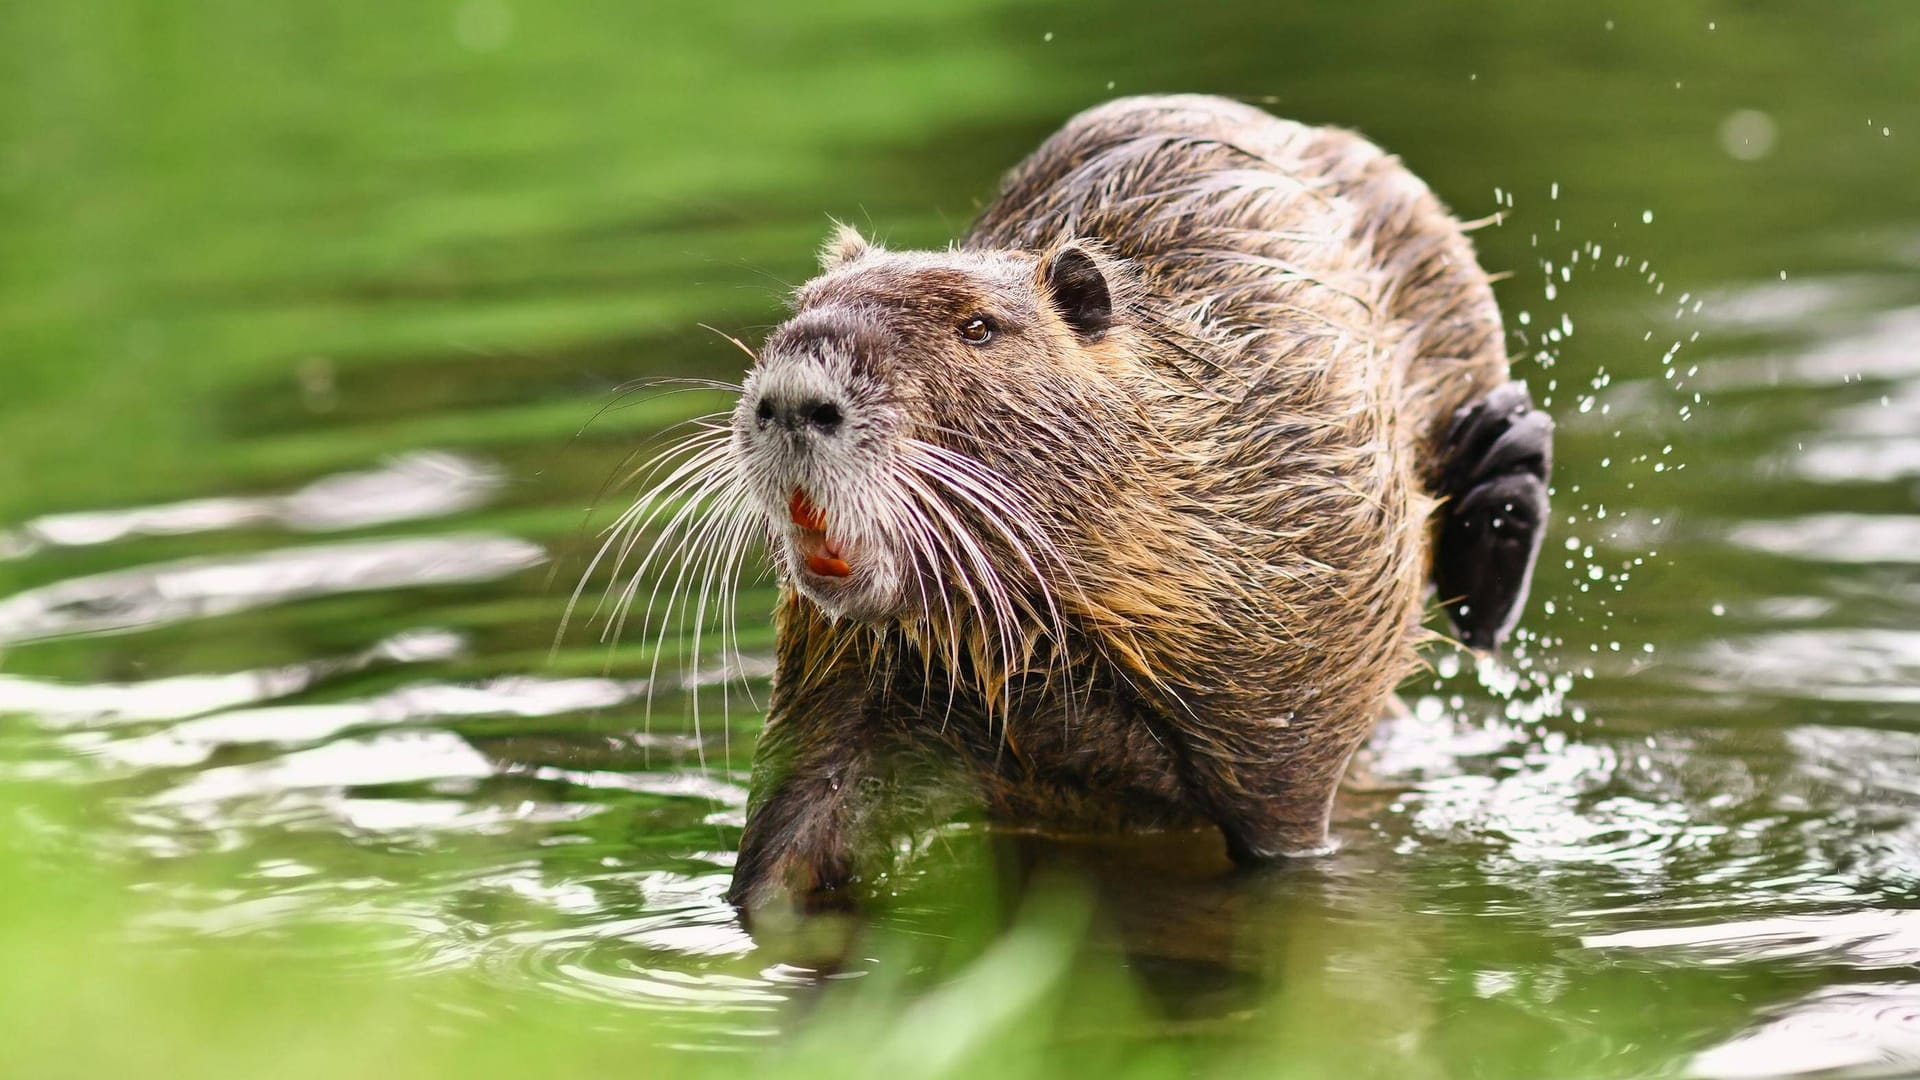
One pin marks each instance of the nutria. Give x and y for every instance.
(1121, 513)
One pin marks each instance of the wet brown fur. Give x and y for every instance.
(1236, 476)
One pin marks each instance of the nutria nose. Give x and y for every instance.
(797, 414)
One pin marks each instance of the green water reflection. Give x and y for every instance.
(314, 325)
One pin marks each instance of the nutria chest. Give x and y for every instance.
(1088, 760)
(1122, 514)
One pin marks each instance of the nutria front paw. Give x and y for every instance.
(792, 883)
(1499, 456)
(794, 859)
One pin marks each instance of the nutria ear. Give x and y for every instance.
(1080, 292)
(844, 246)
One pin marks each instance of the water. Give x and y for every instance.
(316, 327)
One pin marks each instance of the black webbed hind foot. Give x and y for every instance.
(1499, 456)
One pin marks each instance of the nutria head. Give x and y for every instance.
(918, 434)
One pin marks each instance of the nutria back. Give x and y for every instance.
(1282, 244)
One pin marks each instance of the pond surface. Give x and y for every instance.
(318, 333)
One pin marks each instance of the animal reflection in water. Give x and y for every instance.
(1212, 945)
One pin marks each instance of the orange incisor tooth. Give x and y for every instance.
(828, 566)
(805, 514)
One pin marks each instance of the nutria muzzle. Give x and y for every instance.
(810, 436)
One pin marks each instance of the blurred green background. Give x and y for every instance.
(315, 321)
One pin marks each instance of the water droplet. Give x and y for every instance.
(1747, 134)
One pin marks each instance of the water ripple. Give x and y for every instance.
(1859, 461)
(1846, 665)
(1845, 538)
(641, 960)
(1774, 306)
(1878, 346)
(520, 696)
(1869, 1030)
(389, 758)
(1868, 939)
(176, 697)
(422, 484)
(1871, 441)
(200, 588)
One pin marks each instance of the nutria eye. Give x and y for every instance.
(976, 331)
